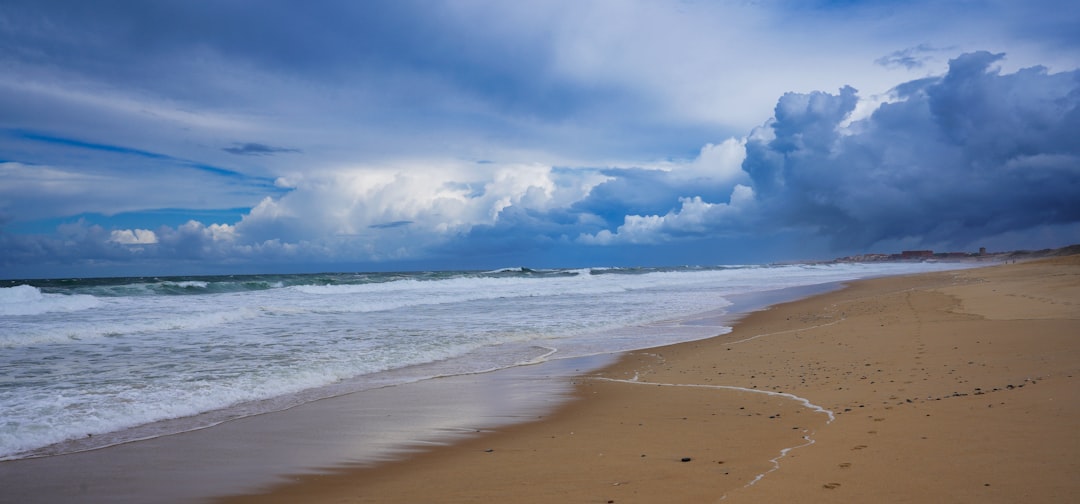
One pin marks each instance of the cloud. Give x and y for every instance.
(972, 157)
(694, 218)
(256, 149)
(70, 177)
(971, 154)
(390, 225)
(589, 82)
(377, 213)
(911, 58)
(133, 237)
(606, 129)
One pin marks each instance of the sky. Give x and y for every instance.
(241, 136)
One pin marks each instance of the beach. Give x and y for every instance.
(955, 386)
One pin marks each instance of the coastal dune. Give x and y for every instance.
(944, 387)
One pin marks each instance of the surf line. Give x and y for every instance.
(797, 329)
(775, 461)
(802, 400)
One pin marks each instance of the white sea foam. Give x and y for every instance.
(95, 328)
(408, 293)
(28, 300)
(188, 284)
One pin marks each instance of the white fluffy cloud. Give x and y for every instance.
(400, 210)
(721, 163)
(133, 237)
(694, 217)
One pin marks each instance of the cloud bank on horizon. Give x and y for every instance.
(172, 137)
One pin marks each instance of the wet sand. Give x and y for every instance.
(943, 387)
(251, 453)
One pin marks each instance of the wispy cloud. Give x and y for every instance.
(390, 225)
(912, 58)
(257, 149)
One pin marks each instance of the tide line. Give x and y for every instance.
(802, 400)
(775, 461)
(797, 329)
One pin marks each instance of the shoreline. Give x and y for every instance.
(250, 453)
(945, 387)
(129, 386)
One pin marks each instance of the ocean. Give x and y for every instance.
(88, 363)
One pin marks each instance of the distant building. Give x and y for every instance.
(917, 254)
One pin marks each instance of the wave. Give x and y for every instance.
(531, 282)
(502, 271)
(177, 287)
(29, 300)
(397, 294)
(88, 331)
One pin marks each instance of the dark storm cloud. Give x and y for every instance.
(972, 154)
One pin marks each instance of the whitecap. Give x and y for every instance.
(29, 300)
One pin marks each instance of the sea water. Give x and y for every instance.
(87, 363)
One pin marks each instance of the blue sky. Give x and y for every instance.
(178, 137)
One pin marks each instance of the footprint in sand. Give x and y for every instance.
(831, 486)
(845, 465)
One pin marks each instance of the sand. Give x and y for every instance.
(945, 387)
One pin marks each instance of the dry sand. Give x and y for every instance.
(945, 387)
